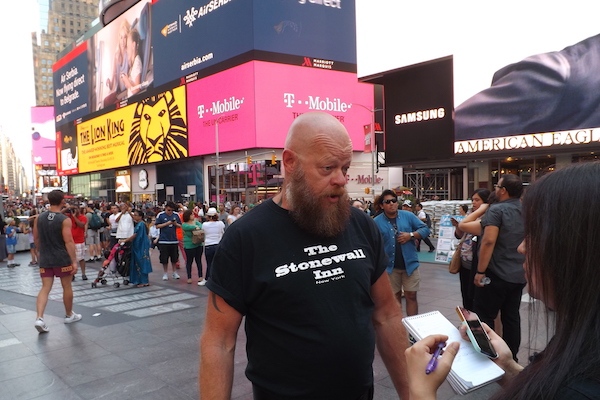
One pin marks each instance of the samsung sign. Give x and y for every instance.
(418, 112)
(418, 116)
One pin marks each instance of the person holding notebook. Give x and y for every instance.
(561, 249)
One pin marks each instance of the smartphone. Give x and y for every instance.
(479, 338)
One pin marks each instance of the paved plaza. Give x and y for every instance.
(142, 343)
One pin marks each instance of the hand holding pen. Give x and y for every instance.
(432, 364)
(428, 364)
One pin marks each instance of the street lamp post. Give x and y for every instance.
(373, 145)
(217, 161)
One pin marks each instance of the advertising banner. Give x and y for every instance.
(286, 91)
(255, 103)
(66, 150)
(226, 99)
(190, 36)
(419, 106)
(43, 137)
(324, 31)
(152, 130)
(120, 57)
(71, 87)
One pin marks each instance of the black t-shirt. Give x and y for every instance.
(306, 300)
(399, 262)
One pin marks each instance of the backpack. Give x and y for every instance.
(428, 221)
(96, 222)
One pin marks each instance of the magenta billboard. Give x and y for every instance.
(43, 135)
(255, 103)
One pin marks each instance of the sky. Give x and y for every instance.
(17, 20)
(482, 36)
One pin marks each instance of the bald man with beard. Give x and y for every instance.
(306, 270)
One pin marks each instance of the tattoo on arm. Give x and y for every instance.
(214, 301)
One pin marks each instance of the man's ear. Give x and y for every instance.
(289, 160)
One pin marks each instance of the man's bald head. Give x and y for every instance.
(317, 129)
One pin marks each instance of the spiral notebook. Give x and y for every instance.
(470, 369)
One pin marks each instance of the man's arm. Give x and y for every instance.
(488, 242)
(69, 243)
(392, 340)
(217, 348)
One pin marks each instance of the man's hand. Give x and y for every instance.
(477, 280)
(404, 237)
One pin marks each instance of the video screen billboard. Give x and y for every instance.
(43, 136)
(255, 103)
(120, 57)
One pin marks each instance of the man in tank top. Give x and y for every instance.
(53, 237)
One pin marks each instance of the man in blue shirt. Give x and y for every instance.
(399, 230)
(168, 222)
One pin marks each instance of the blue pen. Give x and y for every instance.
(434, 358)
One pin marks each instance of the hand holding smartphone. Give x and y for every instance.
(479, 338)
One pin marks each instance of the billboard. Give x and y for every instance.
(321, 30)
(120, 57)
(159, 42)
(527, 89)
(71, 88)
(419, 108)
(43, 136)
(255, 103)
(67, 154)
(152, 130)
(190, 36)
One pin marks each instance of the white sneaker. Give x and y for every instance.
(202, 282)
(176, 275)
(165, 277)
(41, 326)
(73, 318)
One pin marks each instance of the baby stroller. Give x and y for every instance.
(115, 266)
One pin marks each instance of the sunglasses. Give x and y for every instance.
(388, 201)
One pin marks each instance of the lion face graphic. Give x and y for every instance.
(158, 132)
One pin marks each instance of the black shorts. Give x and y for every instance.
(168, 251)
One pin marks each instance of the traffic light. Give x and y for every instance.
(367, 190)
(248, 160)
(273, 159)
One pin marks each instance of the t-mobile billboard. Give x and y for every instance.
(255, 103)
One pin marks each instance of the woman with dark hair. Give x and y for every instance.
(141, 265)
(192, 250)
(561, 248)
(468, 250)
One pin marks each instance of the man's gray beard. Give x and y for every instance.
(308, 211)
